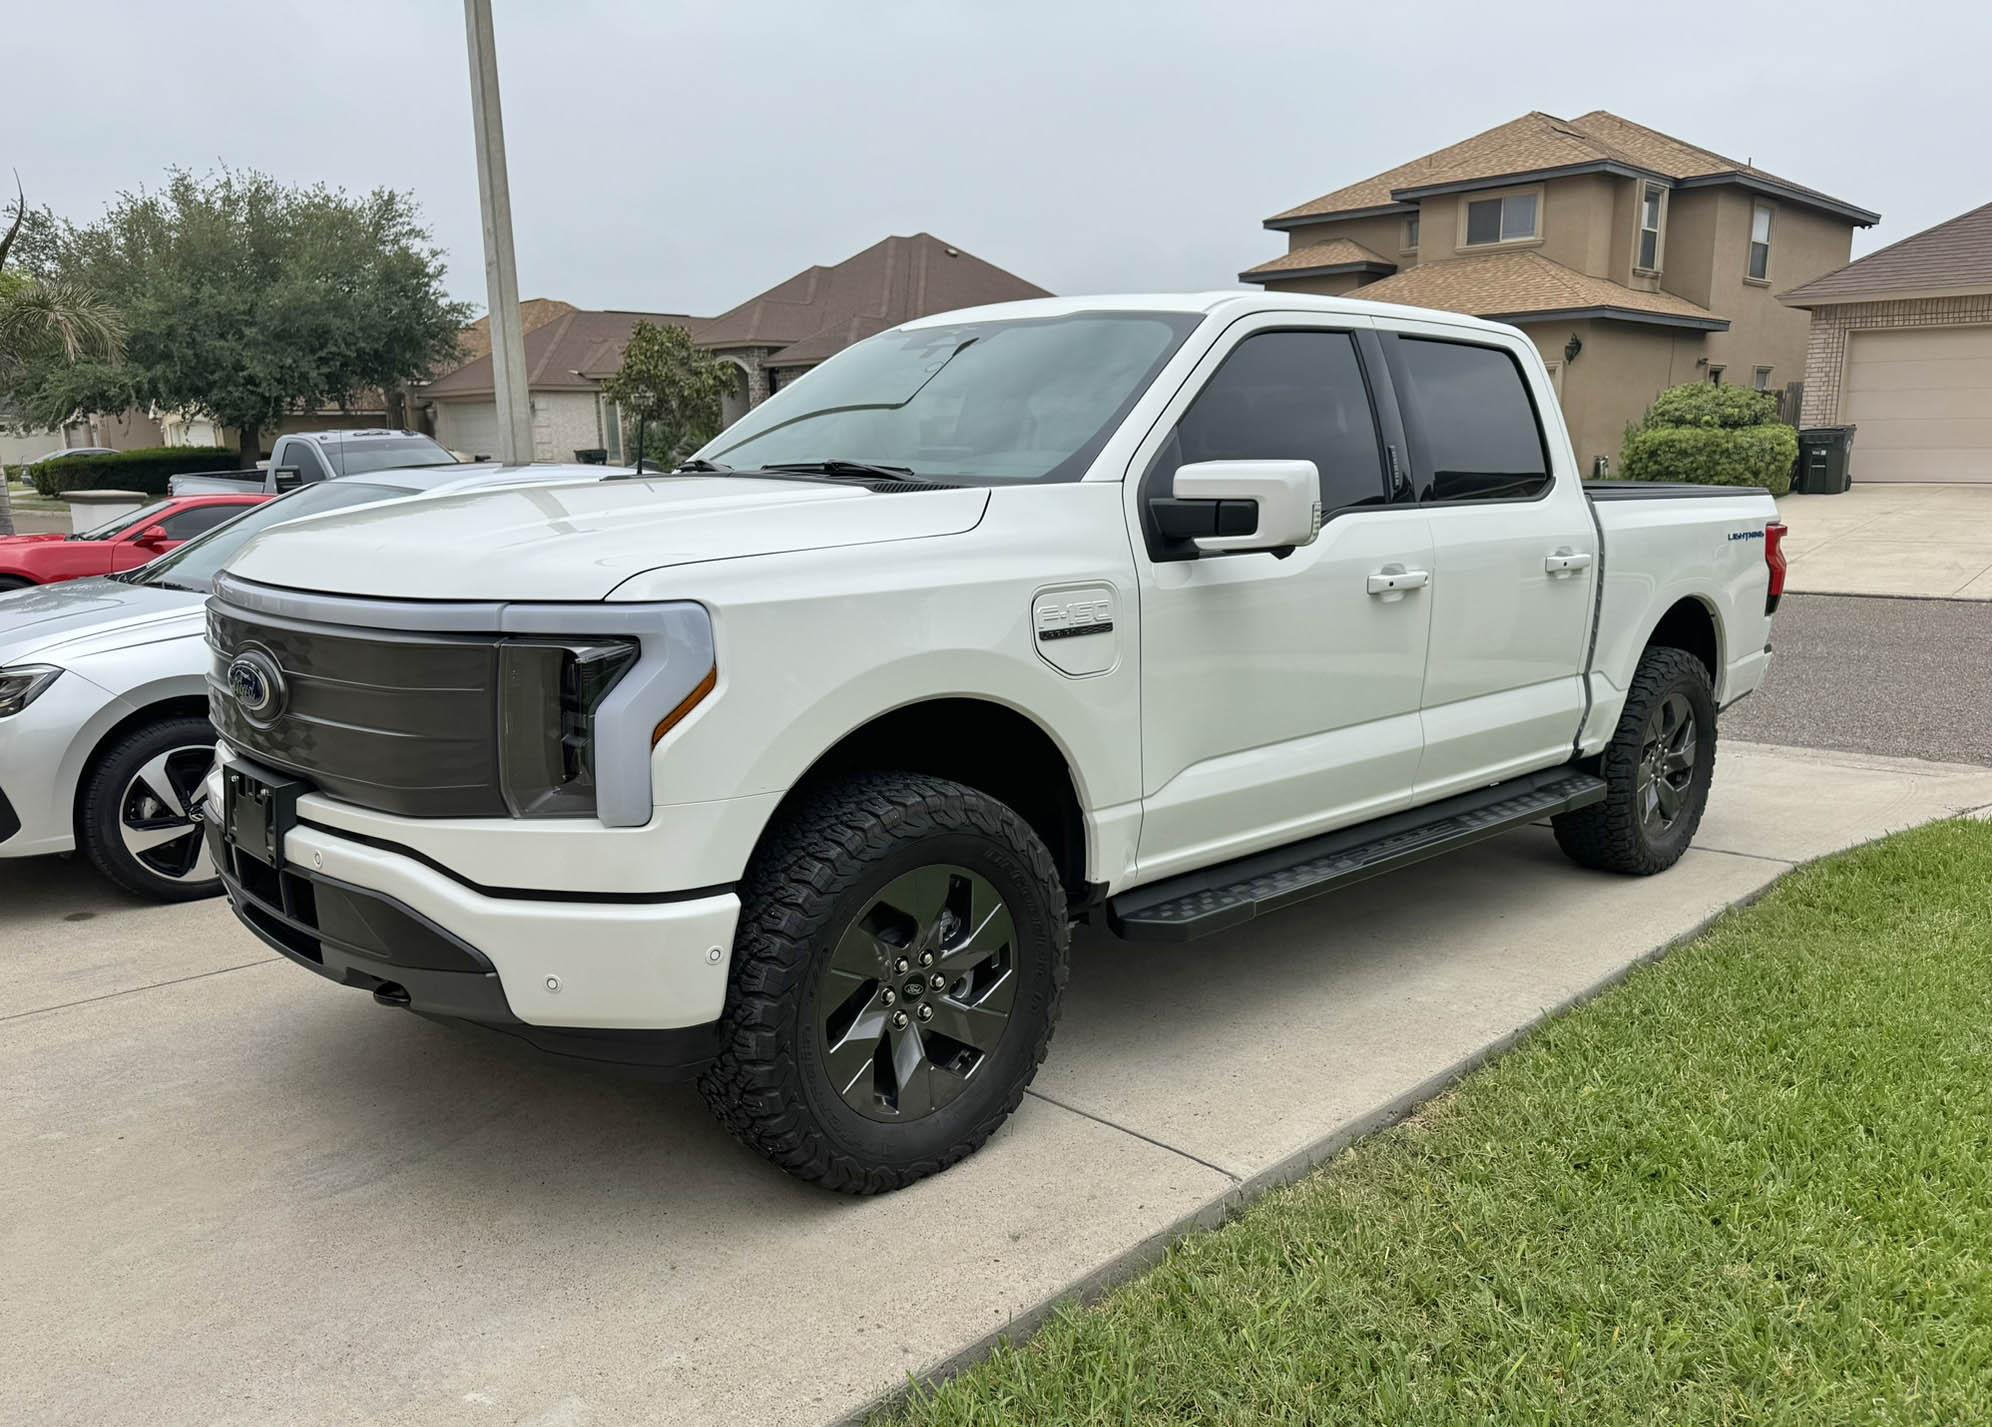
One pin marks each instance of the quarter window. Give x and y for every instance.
(1508, 219)
(1760, 242)
(1286, 396)
(1649, 227)
(1473, 425)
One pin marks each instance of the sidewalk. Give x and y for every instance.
(239, 1195)
(1931, 542)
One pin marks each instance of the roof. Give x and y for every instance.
(822, 310)
(574, 341)
(1954, 256)
(533, 312)
(1539, 144)
(1513, 287)
(1337, 255)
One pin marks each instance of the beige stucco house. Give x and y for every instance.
(1635, 261)
(1901, 349)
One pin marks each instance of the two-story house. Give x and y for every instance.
(1634, 261)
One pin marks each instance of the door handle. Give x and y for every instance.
(1391, 582)
(1566, 561)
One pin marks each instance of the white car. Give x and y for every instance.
(795, 767)
(104, 736)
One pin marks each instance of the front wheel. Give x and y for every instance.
(136, 821)
(1657, 770)
(897, 973)
(13, 582)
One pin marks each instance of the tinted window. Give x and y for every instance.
(1286, 396)
(186, 524)
(388, 453)
(134, 521)
(300, 455)
(1474, 430)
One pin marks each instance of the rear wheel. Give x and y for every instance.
(13, 582)
(136, 822)
(901, 954)
(1657, 770)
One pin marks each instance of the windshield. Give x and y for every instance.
(194, 565)
(356, 458)
(1023, 400)
(118, 524)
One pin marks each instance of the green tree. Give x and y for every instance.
(244, 299)
(45, 323)
(669, 392)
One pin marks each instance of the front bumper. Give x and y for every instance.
(42, 749)
(635, 981)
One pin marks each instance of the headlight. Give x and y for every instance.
(22, 685)
(548, 693)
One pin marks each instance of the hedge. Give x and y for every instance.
(144, 470)
(1738, 456)
(1712, 436)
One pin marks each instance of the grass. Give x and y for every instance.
(1752, 1185)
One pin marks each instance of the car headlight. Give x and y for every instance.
(22, 685)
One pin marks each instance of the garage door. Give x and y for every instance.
(1922, 399)
(468, 426)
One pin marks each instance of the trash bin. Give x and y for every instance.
(592, 455)
(1825, 458)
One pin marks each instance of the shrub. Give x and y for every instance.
(1712, 436)
(145, 470)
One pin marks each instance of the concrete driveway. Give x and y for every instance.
(1930, 541)
(239, 1195)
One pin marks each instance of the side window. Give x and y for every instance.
(300, 454)
(186, 524)
(1474, 432)
(1286, 396)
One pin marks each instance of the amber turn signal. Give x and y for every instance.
(686, 705)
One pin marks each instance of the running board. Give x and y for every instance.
(1232, 893)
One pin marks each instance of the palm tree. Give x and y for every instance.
(40, 315)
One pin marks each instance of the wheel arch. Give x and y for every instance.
(977, 741)
(1691, 624)
(172, 705)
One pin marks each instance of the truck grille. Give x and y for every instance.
(401, 722)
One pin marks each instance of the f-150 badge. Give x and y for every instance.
(1074, 628)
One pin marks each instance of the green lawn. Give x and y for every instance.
(1752, 1185)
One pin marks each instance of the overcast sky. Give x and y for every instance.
(677, 156)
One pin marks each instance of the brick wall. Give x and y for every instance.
(1826, 346)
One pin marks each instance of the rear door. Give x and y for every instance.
(1515, 555)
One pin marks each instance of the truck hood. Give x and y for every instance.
(579, 541)
(48, 624)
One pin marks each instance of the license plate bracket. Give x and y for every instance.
(257, 812)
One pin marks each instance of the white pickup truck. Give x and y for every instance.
(792, 769)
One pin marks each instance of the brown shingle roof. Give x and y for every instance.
(1337, 255)
(822, 310)
(1537, 142)
(576, 340)
(1521, 286)
(533, 312)
(1955, 255)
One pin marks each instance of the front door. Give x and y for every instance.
(1279, 696)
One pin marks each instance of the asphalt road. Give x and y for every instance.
(1908, 678)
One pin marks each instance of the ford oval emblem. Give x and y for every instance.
(257, 686)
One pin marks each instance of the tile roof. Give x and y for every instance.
(1523, 285)
(576, 340)
(1336, 253)
(1955, 254)
(1538, 141)
(822, 310)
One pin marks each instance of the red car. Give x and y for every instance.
(124, 543)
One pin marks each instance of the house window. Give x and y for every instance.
(1510, 218)
(1763, 379)
(1650, 198)
(1760, 242)
(1715, 376)
(1411, 234)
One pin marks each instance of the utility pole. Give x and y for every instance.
(501, 270)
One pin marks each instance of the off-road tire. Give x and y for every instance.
(806, 883)
(98, 814)
(1611, 835)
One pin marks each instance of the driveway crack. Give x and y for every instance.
(1145, 1139)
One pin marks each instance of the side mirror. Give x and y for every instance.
(153, 535)
(288, 478)
(1229, 506)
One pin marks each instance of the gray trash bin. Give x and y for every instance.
(1825, 460)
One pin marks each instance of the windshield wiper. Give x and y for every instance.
(701, 466)
(865, 469)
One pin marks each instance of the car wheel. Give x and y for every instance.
(897, 973)
(13, 582)
(1657, 771)
(136, 822)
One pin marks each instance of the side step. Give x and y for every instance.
(1232, 893)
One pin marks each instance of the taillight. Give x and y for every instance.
(1774, 557)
